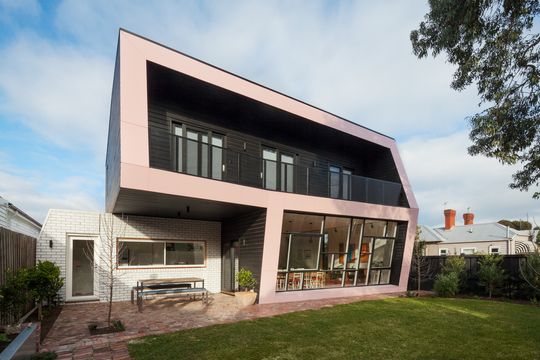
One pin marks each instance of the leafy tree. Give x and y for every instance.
(516, 224)
(44, 282)
(493, 45)
(490, 273)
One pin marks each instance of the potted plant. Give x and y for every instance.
(246, 283)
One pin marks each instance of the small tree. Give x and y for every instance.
(44, 282)
(106, 255)
(420, 268)
(490, 274)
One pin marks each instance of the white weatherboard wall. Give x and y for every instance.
(14, 221)
(60, 224)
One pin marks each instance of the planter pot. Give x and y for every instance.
(245, 298)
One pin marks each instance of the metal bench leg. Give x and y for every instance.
(132, 296)
(139, 303)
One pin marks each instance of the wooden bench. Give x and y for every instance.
(189, 291)
(168, 286)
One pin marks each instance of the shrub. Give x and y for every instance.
(447, 284)
(490, 274)
(44, 356)
(245, 279)
(14, 294)
(45, 281)
(452, 276)
(455, 264)
(38, 283)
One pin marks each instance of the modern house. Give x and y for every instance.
(14, 219)
(207, 172)
(471, 238)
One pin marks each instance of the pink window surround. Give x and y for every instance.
(135, 172)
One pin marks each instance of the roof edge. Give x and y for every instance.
(253, 82)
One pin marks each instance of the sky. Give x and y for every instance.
(352, 58)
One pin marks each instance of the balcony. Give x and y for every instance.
(209, 158)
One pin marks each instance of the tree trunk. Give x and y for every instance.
(418, 274)
(110, 299)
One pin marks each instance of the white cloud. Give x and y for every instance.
(351, 58)
(60, 91)
(441, 171)
(354, 59)
(35, 192)
(26, 7)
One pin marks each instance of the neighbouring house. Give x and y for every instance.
(207, 172)
(471, 238)
(14, 219)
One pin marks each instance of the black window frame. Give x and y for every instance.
(209, 156)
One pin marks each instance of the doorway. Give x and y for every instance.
(229, 265)
(80, 269)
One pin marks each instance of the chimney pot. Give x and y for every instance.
(468, 218)
(449, 219)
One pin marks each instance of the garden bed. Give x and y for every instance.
(100, 329)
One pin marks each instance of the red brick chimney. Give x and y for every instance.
(449, 219)
(468, 219)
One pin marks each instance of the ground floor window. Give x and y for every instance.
(494, 250)
(318, 252)
(443, 252)
(137, 253)
(468, 251)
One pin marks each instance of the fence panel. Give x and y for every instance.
(514, 286)
(16, 251)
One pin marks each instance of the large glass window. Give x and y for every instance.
(145, 253)
(287, 173)
(270, 168)
(334, 248)
(179, 144)
(325, 252)
(198, 152)
(304, 251)
(278, 170)
(339, 182)
(353, 252)
(334, 181)
(192, 153)
(161, 253)
(217, 157)
(184, 253)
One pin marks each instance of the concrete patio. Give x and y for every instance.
(70, 338)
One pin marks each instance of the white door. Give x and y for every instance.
(80, 268)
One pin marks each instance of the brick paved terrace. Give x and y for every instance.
(70, 338)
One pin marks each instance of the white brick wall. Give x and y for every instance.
(62, 223)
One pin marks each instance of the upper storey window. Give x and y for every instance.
(278, 170)
(339, 182)
(198, 152)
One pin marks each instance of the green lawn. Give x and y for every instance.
(404, 328)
